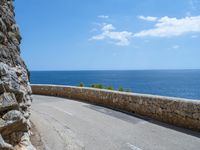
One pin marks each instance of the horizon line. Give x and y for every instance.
(116, 70)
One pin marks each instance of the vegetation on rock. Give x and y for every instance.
(100, 86)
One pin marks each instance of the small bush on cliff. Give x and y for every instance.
(81, 84)
(98, 86)
(121, 89)
(109, 88)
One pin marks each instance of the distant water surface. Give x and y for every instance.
(176, 83)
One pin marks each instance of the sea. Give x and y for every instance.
(174, 83)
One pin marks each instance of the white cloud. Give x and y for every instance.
(169, 27)
(107, 27)
(164, 27)
(176, 46)
(121, 38)
(103, 17)
(148, 18)
(194, 36)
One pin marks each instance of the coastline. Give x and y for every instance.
(183, 84)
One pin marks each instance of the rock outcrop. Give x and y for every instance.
(15, 91)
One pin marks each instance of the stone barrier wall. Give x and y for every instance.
(180, 112)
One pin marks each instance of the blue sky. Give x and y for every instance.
(109, 34)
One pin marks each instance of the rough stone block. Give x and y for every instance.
(11, 122)
(3, 69)
(4, 145)
(8, 102)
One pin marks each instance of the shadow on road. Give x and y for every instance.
(136, 119)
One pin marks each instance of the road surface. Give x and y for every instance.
(66, 124)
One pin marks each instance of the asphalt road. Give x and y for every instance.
(66, 124)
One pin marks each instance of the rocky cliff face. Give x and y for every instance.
(15, 91)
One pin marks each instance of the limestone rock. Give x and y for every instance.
(15, 91)
(13, 121)
(4, 145)
(13, 115)
(7, 102)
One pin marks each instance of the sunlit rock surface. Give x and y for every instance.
(15, 91)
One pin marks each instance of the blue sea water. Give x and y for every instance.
(176, 83)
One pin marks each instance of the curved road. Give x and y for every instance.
(66, 124)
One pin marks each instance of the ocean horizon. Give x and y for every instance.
(183, 83)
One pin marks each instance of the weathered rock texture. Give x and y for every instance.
(15, 91)
(180, 112)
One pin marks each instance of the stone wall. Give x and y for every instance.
(180, 112)
(15, 91)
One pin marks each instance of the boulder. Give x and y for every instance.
(4, 145)
(8, 102)
(3, 69)
(13, 121)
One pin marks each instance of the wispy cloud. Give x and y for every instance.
(163, 27)
(169, 27)
(194, 36)
(103, 16)
(194, 5)
(148, 18)
(108, 32)
(176, 46)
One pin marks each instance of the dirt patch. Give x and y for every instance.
(36, 139)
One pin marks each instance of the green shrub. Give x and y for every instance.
(81, 84)
(109, 88)
(98, 86)
(121, 89)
